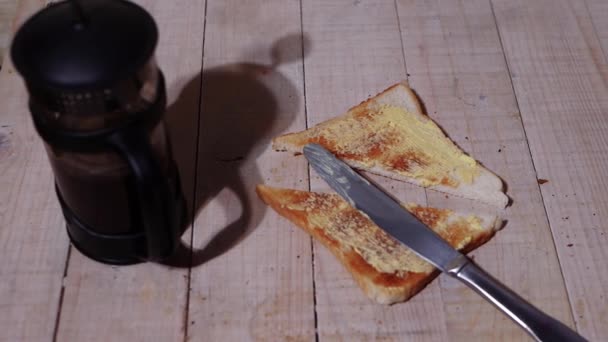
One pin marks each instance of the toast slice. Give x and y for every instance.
(389, 135)
(387, 271)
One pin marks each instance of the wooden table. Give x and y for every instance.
(7, 9)
(521, 85)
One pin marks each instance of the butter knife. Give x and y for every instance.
(390, 216)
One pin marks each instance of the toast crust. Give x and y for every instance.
(389, 135)
(383, 287)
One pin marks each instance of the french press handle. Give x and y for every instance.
(153, 191)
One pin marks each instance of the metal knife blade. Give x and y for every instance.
(387, 213)
(403, 226)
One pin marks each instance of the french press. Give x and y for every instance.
(97, 99)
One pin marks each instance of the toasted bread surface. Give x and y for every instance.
(390, 135)
(387, 271)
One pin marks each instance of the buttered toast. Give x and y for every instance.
(389, 135)
(387, 271)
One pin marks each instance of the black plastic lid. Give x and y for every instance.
(92, 45)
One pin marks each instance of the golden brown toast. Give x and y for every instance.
(390, 135)
(387, 271)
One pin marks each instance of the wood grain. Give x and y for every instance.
(7, 13)
(454, 56)
(559, 75)
(252, 278)
(33, 243)
(356, 53)
(598, 10)
(12, 14)
(145, 302)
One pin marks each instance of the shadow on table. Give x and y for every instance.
(242, 106)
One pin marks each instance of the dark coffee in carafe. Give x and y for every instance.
(97, 99)
(100, 187)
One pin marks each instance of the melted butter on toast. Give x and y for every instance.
(394, 139)
(350, 229)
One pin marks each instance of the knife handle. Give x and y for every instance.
(539, 325)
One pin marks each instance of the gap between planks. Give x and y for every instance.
(60, 304)
(312, 245)
(193, 194)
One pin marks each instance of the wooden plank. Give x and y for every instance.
(33, 244)
(454, 56)
(598, 10)
(252, 278)
(356, 53)
(145, 302)
(559, 74)
(7, 13)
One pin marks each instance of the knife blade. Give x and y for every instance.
(383, 210)
(391, 217)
